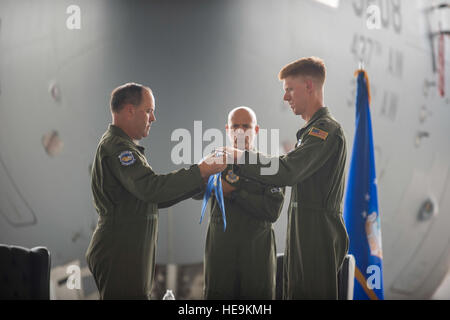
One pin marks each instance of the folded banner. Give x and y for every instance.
(214, 184)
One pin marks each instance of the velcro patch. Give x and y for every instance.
(126, 158)
(318, 133)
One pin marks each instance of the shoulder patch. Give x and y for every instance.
(126, 158)
(318, 133)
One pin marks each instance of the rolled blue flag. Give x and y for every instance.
(361, 214)
(214, 183)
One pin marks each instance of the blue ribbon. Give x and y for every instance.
(214, 183)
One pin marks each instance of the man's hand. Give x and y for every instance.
(212, 164)
(233, 154)
(227, 188)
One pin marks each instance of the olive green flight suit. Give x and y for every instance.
(240, 262)
(316, 241)
(126, 191)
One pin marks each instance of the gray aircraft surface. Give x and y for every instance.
(60, 60)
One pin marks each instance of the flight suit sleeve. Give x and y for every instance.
(186, 196)
(262, 203)
(294, 167)
(134, 173)
(199, 195)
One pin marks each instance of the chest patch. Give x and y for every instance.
(126, 158)
(231, 177)
(318, 133)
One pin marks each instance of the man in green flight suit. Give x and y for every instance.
(316, 241)
(240, 262)
(127, 194)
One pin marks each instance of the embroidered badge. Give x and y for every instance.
(126, 158)
(318, 133)
(231, 177)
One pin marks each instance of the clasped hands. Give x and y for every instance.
(216, 162)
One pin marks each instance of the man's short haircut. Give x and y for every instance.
(129, 93)
(311, 66)
(249, 110)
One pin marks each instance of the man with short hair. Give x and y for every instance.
(127, 194)
(317, 240)
(240, 262)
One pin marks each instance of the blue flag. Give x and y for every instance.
(214, 183)
(361, 215)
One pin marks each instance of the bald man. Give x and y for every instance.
(240, 262)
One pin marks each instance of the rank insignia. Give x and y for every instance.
(231, 177)
(126, 158)
(318, 133)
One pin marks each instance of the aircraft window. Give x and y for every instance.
(427, 210)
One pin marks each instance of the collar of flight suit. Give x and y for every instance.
(116, 131)
(319, 113)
